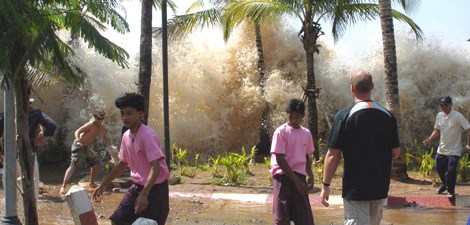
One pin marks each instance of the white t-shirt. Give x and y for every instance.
(450, 128)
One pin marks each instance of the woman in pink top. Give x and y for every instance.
(291, 161)
(140, 151)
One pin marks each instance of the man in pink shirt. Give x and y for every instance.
(291, 161)
(140, 151)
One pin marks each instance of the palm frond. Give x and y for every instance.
(39, 78)
(407, 20)
(346, 14)
(195, 6)
(171, 4)
(408, 5)
(181, 25)
(258, 11)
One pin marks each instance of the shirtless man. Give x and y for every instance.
(82, 156)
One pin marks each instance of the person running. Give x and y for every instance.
(449, 126)
(83, 156)
(140, 151)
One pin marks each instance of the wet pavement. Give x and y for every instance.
(54, 211)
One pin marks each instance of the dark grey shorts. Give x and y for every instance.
(83, 157)
(157, 209)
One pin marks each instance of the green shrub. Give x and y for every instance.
(180, 156)
(427, 163)
(232, 168)
(464, 167)
(214, 167)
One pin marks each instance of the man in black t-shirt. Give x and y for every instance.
(366, 135)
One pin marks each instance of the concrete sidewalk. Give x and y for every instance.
(434, 201)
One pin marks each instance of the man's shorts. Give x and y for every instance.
(157, 209)
(83, 157)
(363, 212)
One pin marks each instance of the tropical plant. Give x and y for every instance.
(464, 168)
(232, 168)
(235, 171)
(214, 165)
(32, 48)
(427, 164)
(182, 163)
(248, 158)
(311, 13)
(267, 165)
(318, 169)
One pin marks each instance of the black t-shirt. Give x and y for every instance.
(366, 133)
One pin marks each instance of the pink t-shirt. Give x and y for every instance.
(295, 145)
(138, 150)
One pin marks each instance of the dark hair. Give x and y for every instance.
(295, 105)
(446, 100)
(131, 100)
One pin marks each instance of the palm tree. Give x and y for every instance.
(197, 16)
(311, 14)
(145, 59)
(32, 48)
(392, 96)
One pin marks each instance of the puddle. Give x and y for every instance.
(53, 211)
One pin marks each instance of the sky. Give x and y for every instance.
(444, 21)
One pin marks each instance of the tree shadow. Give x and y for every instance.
(51, 198)
(415, 181)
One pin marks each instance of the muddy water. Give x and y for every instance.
(53, 211)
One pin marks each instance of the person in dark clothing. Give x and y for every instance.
(366, 135)
(40, 126)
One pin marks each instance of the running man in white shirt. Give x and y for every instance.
(449, 126)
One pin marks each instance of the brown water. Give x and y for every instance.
(53, 211)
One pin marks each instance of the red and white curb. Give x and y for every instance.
(80, 206)
(334, 200)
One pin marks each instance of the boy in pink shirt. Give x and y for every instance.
(140, 150)
(291, 161)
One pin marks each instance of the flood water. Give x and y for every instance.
(54, 211)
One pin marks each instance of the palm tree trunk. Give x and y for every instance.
(310, 35)
(392, 97)
(264, 143)
(145, 63)
(25, 153)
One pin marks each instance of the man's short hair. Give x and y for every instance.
(295, 105)
(447, 100)
(131, 100)
(362, 83)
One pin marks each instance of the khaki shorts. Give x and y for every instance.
(363, 212)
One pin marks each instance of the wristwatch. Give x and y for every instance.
(325, 184)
